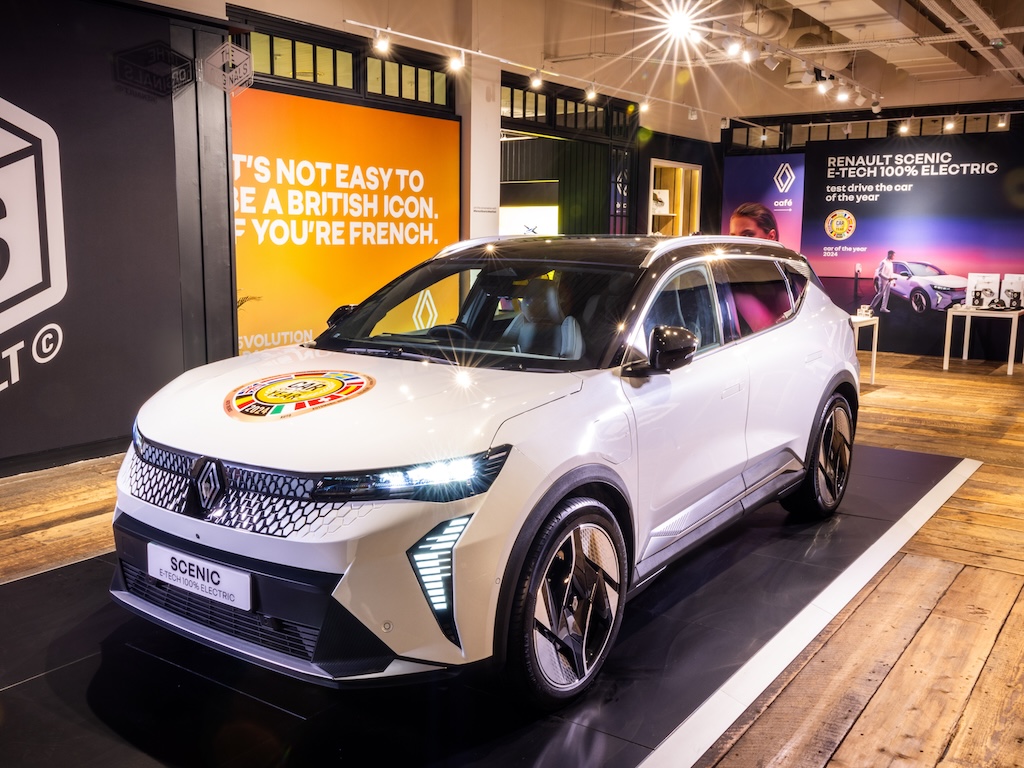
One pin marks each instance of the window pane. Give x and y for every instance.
(423, 89)
(531, 105)
(260, 45)
(325, 65)
(283, 64)
(345, 78)
(391, 79)
(506, 101)
(408, 82)
(517, 103)
(760, 297)
(374, 75)
(878, 129)
(559, 111)
(542, 102)
(441, 88)
(303, 61)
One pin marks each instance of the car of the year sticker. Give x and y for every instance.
(212, 580)
(278, 397)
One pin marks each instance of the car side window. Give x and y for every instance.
(798, 273)
(755, 295)
(687, 301)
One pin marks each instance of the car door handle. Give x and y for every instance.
(731, 390)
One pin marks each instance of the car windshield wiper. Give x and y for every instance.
(398, 353)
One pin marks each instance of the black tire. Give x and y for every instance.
(828, 463)
(919, 301)
(568, 604)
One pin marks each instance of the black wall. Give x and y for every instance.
(709, 157)
(146, 207)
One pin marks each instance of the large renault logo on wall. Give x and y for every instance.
(33, 269)
(784, 178)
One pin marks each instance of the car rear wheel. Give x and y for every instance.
(568, 604)
(919, 301)
(828, 472)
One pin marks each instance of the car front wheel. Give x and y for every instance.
(919, 300)
(828, 470)
(568, 604)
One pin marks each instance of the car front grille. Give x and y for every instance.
(278, 635)
(272, 503)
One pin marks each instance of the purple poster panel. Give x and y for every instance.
(775, 181)
(954, 202)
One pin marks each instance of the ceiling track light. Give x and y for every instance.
(381, 42)
(592, 92)
(457, 61)
(536, 81)
(733, 46)
(772, 62)
(876, 106)
(1003, 120)
(825, 86)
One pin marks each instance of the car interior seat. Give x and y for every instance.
(541, 327)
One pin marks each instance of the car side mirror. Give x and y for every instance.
(669, 347)
(904, 274)
(341, 313)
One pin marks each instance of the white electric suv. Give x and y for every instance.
(485, 459)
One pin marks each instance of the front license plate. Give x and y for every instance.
(212, 580)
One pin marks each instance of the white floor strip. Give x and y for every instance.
(685, 745)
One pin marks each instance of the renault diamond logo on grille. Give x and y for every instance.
(208, 481)
(784, 178)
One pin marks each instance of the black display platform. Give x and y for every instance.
(84, 683)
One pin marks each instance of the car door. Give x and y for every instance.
(787, 363)
(690, 422)
(903, 285)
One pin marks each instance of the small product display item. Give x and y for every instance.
(982, 289)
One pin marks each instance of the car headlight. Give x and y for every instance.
(943, 288)
(446, 480)
(138, 441)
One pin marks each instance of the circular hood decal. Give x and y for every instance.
(278, 397)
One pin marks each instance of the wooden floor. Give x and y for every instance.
(924, 668)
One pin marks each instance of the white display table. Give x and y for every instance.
(968, 314)
(865, 321)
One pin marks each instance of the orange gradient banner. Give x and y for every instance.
(331, 201)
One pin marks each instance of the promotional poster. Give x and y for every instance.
(951, 201)
(90, 288)
(331, 202)
(775, 181)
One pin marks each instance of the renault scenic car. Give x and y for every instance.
(926, 286)
(483, 461)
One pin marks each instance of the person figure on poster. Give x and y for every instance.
(753, 220)
(885, 276)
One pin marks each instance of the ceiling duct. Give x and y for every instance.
(801, 73)
(765, 22)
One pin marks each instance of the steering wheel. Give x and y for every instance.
(453, 331)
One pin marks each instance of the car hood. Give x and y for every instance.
(383, 412)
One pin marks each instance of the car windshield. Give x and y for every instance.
(523, 314)
(920, 269)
